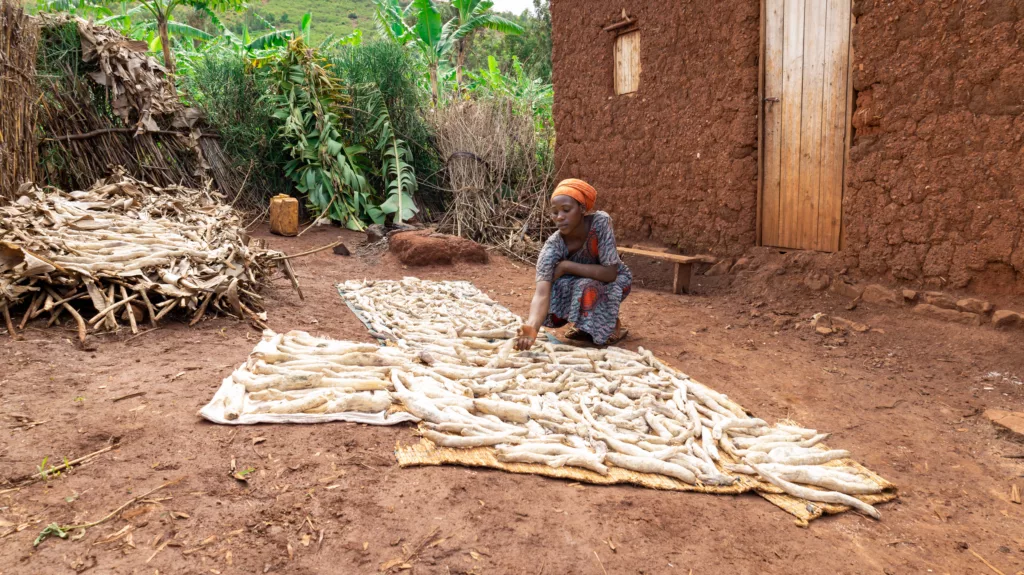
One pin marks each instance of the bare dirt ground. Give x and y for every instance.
(331, 499)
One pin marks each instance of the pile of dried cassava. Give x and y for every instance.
(132, 251)
(417, 310)
(554, 405)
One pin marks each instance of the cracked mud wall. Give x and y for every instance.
(675, 162)
(935, 182)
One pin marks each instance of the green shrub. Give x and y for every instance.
(232, 100)
(392, 69)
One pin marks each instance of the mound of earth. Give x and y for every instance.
(426, 247)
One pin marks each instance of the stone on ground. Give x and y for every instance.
(847, 290)
(375, 233)
(817, 281)
(939, 299)
(720, 269)
(742, 264)
(875, 293)
(1005, 318)
(948, 314)
(1011, 422)
(973, 305)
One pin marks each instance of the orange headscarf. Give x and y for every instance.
(578, 190)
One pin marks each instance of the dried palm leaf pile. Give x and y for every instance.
(600, 415)
(106, 102)
(132, 251)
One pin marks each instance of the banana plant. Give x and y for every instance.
(471, 16)
(396, 159)
(434, 38)
(162, 12)
(310, 104)
(389, 18)
(123, 22)
(518, 86)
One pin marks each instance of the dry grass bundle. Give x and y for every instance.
(499, 173)
(18, 40)
(130, 250)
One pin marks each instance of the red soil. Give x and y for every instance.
(907, 402)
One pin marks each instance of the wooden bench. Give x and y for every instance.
(683, 265)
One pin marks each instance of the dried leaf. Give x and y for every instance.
(291, 552)
(179, 515)
(392, 563)
(136, 512)
(474, 555)
(115, 536)
(305, 540)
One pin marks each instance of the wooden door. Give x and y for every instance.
(806, 117)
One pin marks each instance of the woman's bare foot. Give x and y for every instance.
(618, 335)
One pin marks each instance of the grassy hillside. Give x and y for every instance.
(338, 17)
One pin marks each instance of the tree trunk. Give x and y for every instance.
(433, 82)
(460, 59)
(165, 43)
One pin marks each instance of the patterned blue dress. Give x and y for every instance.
(592, 306)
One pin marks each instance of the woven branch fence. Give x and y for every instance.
(19, 38)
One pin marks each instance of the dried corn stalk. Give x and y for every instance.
(131, 251)
(554, 405)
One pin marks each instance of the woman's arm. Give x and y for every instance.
(538, 311)
(601, 273)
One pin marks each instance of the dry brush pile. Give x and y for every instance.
(497, 174)
(132, 252)
(18, 95)
(554, 405)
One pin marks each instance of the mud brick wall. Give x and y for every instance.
(675, 162)
(935, 185)
(935, 182)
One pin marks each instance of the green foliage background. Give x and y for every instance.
(346, 121)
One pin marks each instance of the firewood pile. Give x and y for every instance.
(124, 252)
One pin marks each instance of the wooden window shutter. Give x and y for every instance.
(627, 63)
